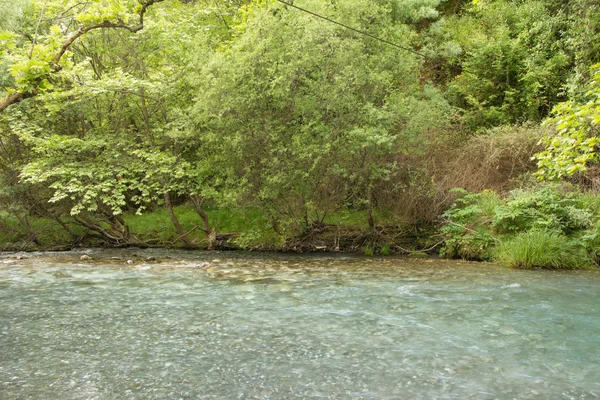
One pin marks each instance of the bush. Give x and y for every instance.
(565, 221)
(468, 232)
(495, 160)
(541, 249)
(590, 240)
(549, 207)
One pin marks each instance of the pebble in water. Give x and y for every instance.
(322, 327)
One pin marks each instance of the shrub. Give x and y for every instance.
(541, 249)
(574, 145)
(590, 240)
(549, 207)
(477, 221)
(468, 225)
(494, 159)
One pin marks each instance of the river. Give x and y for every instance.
(211, 325)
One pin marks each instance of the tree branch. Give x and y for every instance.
(15, 98)
(182, 234)
(54, 64)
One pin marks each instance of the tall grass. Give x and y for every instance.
(542, 249)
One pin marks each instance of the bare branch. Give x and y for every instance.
(36, 29)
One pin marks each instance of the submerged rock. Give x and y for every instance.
(62, 274)
(204, 265)
(85, 257)
(418, 254)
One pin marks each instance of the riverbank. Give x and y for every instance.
(345, 231)
(540, 226)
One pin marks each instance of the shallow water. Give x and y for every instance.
(292, 327)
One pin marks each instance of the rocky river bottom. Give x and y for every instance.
(167, 324)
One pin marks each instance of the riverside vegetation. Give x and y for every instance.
(465, 127)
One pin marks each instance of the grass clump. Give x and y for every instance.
(541, 249)
(384, 249)
(368, 251)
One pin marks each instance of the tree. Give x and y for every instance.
(510, 62)
(307, 117)
(575, 144)
(34, 61)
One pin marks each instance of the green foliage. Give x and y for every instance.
(483, 226)
(510, 61)
(384, 249)
(544, 208)
(467, 231)
(414, 10)
(308, 117)
(51, 25)
(575, 144)
(105, 142)
(580, 37)
(542, 249)
(13, 12)
(256, 108)
(590, 240)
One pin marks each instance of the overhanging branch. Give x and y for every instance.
(17, 97)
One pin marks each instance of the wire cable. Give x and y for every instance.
(352, 29)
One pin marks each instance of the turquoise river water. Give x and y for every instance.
(261, 326)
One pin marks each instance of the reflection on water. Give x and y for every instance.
(292, 327)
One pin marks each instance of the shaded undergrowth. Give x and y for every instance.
(544, 226)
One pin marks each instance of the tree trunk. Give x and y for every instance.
(370, 208)
(197, 202)
(183, 235)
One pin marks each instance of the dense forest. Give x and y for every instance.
(468, 128)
